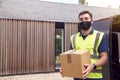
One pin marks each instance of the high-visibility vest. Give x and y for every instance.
(91, 43)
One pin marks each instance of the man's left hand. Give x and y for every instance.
(89, 68)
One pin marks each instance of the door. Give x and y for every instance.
(104, 25)
(115, 56)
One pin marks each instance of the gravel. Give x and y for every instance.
(40, 76)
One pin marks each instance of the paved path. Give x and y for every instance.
(41, 76)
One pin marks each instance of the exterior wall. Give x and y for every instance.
(70, 29)
(26, 46)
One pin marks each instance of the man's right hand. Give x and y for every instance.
(61, 72)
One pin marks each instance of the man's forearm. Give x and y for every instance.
(103, 59)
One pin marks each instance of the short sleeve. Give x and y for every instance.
(103, 47)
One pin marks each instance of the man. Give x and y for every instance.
(94, 41)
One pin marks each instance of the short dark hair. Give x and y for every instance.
(86, 12)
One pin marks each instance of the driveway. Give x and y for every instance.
(40, 76)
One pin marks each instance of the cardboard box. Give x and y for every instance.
(72, 62)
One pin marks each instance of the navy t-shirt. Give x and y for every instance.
(103, 47)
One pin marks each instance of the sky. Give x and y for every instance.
(104, 3)
(99, 3)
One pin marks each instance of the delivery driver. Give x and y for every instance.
(94, 41)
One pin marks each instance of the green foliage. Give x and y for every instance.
(83, 1)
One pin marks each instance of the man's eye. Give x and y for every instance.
(86, 18)
(81, 19)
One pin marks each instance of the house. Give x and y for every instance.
(29, 30)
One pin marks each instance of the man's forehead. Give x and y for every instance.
(85, 15)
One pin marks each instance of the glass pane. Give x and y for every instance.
(59, 45)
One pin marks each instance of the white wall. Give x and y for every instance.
(119, 45)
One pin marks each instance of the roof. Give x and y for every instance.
(49, 11)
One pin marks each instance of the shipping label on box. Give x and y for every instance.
(72, 62)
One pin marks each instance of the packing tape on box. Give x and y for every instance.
(69, 58)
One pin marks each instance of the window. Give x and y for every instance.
(59, 42)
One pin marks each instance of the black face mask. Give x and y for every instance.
(85, 25)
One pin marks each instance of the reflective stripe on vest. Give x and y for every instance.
(94, 56)
(73, 41)
(97, 71)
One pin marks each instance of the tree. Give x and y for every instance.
(82, 1)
